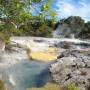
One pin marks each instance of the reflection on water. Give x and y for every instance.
(26, 74)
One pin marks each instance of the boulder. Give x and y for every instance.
(72, 66)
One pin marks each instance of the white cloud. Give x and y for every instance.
(83, 3)
(68, 9)
(65, 9)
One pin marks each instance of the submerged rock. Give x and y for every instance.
(72, 66)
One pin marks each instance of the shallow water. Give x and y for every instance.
(26, 74)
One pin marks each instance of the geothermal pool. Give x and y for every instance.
(25, 74)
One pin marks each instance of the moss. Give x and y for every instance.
(48, 86)
(2, 86)
(72, 87)
(51, 86)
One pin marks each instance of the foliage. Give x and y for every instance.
(4, 37)
(85, 33)
(47, 12)
(76, 26)
(15, 16)
(72, 87)
(51, 86)
(43, 31)
(35, 27)
(75, 23)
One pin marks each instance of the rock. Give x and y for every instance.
(68, 61)
(79, 63)
(54, 66)
(72, 45)
(72, 66)
(2, 46)
(64, 44)
(87, 62)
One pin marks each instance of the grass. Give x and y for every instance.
(50, 86)
(72, 87)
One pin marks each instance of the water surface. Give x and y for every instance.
(26, 74)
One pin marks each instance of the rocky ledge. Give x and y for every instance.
(72, 66)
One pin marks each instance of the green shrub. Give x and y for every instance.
(72, 87)
(51, 86)
(47, 87)
(44, 31)
(4, 37)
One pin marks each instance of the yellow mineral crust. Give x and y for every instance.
(46, 56)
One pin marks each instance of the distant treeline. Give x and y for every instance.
(33, 27)
(37, 27)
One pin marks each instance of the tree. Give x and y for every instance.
(44, 31)
(15, 13)
(72, 25)
(76, 23)
(85, 33)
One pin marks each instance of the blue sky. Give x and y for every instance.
(65, 8)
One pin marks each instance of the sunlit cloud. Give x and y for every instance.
(70, 8)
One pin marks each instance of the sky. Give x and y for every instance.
(66, 8)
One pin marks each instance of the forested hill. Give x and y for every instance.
(18, 19)
(73, 25)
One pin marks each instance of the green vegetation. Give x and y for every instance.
(5, 38)
(47, 87)
(72, 87)
(17, 17)
(77, 26)
(85, 33)
(26, 18)
(50, 86)
(44, 31)
(2, 86)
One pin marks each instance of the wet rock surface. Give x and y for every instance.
(72, 66)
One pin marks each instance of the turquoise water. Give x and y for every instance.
(27, 74)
